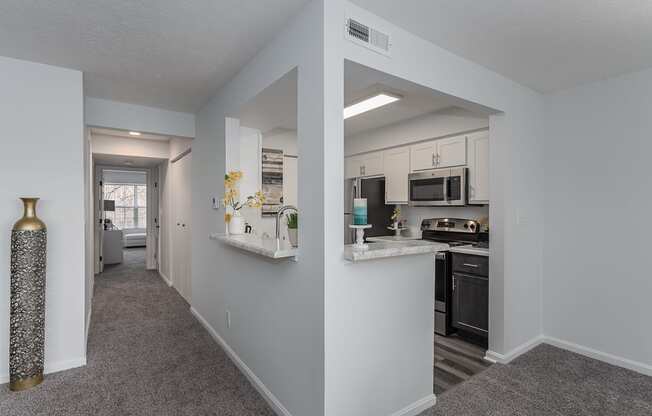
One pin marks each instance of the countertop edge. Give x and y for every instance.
(469, 250)
(353, 256)
(254, 248)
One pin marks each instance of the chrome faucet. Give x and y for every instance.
(278, 219)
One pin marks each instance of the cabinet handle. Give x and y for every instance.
(364, 170)
(438, 159)
(471, 265)
(434, 160)
(360, 170)
(454, 284)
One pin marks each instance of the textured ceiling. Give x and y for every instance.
(164, 53)
(546, 45)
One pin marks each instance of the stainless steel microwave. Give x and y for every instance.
(438, 187)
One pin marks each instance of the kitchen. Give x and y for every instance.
(420, 164)
(422, 156)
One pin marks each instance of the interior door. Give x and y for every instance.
(152, 257)
(181, 253)
(186, 227)
(99, 220)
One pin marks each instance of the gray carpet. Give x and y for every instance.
(147, 355)
(549, 381)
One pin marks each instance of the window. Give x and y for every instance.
(130, 205)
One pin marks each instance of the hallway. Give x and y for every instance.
(147, 355)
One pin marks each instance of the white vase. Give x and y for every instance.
(237, 224)
(293, 236)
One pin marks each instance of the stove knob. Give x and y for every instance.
(466, 225)
(472, 227)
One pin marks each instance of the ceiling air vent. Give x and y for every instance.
(367, 36)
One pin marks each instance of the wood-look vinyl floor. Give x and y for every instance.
(456, 360)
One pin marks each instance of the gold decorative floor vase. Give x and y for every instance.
(27, 316)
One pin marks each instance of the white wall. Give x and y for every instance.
(429, 126)
(89, 229)
(43, 156)
(597, 281)
(125, 176)
(277, 308)
(285, 140)
(125, 146)
(516, 186)
(117, 115)
(179, 145)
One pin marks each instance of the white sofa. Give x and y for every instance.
(136, 237)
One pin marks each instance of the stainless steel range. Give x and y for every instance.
(454, 232)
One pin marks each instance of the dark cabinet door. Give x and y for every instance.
(471, 303)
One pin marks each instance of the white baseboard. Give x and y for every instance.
(269, 397)
(54, 367)
(495, 357)
(88, 322)
(417, 407)
(637, 366)
(601, 356)
(165, 279)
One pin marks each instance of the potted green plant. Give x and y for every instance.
(293, 228)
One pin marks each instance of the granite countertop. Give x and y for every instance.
(477, 251)
(267, 247)
(384, 249)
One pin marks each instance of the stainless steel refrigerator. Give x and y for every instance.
(378, 214)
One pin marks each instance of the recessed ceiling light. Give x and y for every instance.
(369, 104)
(134, 133)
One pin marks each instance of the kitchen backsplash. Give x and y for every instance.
(414, 215)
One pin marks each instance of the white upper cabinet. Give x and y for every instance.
(397, 169)
(368, 164)
(479, 168)
(451, 152)
(441, 153)
(423, 156)
(352, 167)
(372, 164)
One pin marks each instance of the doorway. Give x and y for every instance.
(429, 154)
(128, 215)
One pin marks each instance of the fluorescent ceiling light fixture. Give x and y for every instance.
(371, 103)
(134, 133)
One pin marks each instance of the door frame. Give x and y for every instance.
(151, 221)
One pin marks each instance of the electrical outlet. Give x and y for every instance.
(228, 319)
(216, 202)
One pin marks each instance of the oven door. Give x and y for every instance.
(429, 188)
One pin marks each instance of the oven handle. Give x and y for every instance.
(446, 185)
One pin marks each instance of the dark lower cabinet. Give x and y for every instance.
(470, 299)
